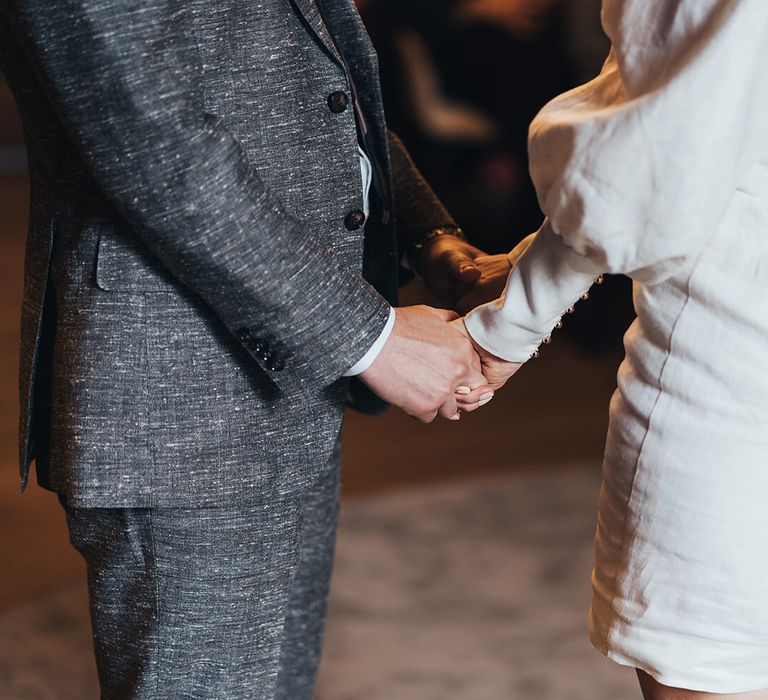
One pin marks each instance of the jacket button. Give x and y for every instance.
(277, 365)
(243, 333)
(354, 220)
(338, 101)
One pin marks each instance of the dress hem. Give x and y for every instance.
(676, 680)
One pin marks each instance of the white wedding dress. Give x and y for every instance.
(658, 168)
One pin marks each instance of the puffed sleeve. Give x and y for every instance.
(634, 170)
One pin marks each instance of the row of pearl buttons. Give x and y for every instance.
(559, 324)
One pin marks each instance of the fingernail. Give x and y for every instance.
(455, 417)
(484, 399)
(463, 390)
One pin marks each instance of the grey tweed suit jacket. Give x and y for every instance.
(192, 294)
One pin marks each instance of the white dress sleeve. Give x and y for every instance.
(635, 169)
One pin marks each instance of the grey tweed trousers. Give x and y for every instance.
(222, 603)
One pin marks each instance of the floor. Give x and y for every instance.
(475, 589)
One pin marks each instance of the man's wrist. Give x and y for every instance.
(414, 253)
(373, 352)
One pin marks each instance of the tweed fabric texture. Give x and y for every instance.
(210, 603)
(189, 184)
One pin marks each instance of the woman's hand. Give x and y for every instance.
(494, 271)
(495, 370)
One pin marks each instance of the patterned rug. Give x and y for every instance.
(475, 590)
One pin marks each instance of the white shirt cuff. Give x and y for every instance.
(368, 359)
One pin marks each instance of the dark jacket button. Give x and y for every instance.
(338, 101)
(277, 365)
(243, 333)
(354, 220)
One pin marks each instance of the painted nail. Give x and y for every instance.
(457, 416)
(484, 399)
(463, 390)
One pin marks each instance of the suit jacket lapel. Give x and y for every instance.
(344, 23)
(311, 14)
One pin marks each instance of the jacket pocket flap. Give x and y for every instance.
(125, 265)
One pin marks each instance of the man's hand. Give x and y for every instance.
(423, 363)
(494, 270)
(462, 276)
(447, 266)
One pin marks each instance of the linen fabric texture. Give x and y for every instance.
(658, 168)
(192, 294)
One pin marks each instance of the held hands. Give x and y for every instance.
(423, 364)
(464, 277)
(430, 366)
(495, 369)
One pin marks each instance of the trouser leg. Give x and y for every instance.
(305, 617)
(189, 603)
